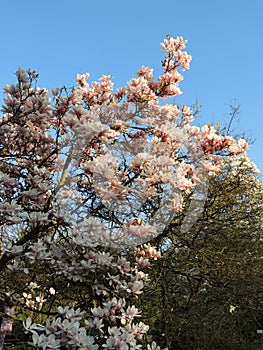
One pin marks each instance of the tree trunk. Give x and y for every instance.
(6, 323)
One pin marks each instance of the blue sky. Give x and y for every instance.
(61, 38)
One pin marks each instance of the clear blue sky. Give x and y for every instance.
(61, 38)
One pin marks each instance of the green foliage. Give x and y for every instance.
(209, 283)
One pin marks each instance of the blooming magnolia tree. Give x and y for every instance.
(88, 177)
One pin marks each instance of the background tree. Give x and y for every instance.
(209, 279)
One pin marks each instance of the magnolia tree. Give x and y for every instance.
(88, 177)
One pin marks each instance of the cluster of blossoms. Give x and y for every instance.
(33, 298)
(65, 331)
(112, 322)
(85, 177)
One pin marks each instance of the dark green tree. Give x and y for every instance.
(208, 285)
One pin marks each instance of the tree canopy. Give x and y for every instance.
(209, 279)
